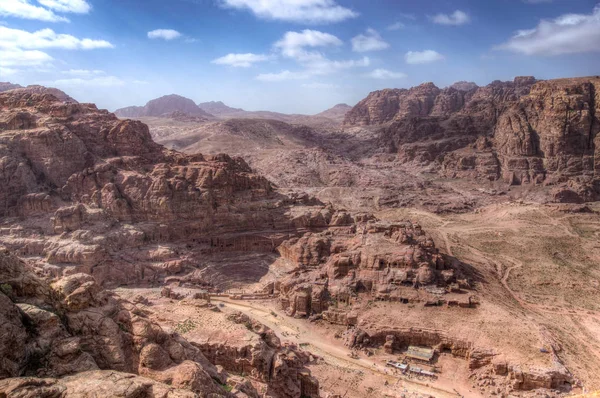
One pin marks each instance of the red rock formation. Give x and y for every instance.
(521, 132)
(82, 171)
(387, 261)
(75, 326)
(101, 382)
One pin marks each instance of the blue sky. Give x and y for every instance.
(294, 56)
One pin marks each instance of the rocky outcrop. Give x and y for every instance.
(387, 105)
(73, 326)
(520, 132)
(282, 367)
(100, 185)
(60, 95)
(386, 261)
(164, 106)
(5, 86)
(99, 382)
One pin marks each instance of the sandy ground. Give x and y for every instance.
(538, 265)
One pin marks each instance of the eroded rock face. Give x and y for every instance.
(101, 382)
(281, 367)
(520, 132)
(387, 261)
(73, 326)
(100, 185)
(386, 105)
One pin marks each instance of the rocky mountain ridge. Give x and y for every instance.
(90, 202)
(520, 132)
(218, 108)
(337, 112)
(164, 106)
(174, 104)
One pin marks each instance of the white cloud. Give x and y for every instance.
(165, 34)
(101, 81)
(371, 41)
(567, 34)
(24, 9)
(141, 82)
(46, 38)
(293, 44)
(75, 6)
(408, 16)
(16, 57)
(385, 74)
(317, 85)
(396, 26)
(240, 60)
(7, 72)
(281, 76)
(422, 57)
(83, 72)
(319, 67)
(326, 66)
(456, 18)
(302, 11)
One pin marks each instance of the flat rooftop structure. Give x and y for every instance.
(397, 365)
(420, 353)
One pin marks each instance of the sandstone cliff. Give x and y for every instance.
(72, 326)
(521, 132)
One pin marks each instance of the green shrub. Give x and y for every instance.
(6, 289)
(185, 326)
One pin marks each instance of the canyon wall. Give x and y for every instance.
(520, 132)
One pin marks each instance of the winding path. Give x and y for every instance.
(299, 332)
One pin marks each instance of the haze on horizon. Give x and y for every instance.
(292, 56)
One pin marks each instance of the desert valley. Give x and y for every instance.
(425, 242)
(299, 199)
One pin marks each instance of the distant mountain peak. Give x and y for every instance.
(337, 112)
(164, 106)
(218, 108)
(5, 86)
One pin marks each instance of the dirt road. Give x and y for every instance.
(299, 332)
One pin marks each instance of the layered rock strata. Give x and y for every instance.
(520, 132)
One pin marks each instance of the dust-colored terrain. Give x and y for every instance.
(426, 242)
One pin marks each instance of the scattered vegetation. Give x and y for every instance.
(6, 289)
(186, 326)
(225, 387)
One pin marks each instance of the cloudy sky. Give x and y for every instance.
(298, 56)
